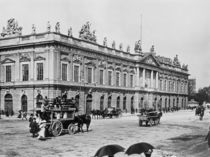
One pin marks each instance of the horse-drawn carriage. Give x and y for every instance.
(149, 118)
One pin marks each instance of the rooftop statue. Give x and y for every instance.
(121, 46)
(57, 27)
(105, 41)
(152, 49)
(85, 33)
(185, 67)
(176, 61)
(12, 28)
(113, 44)
(70, 32)
(48, 26)
(137, 47)
(33, 29)
(128, 48)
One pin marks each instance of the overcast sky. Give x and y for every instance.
(174, 26)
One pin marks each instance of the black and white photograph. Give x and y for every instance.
(104, 78)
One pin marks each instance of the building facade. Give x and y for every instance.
(98, 76)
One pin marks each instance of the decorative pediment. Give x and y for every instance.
(39, 58)
(25, 59)
(125, 70)
(7, 60)
(110, 67)
(132, 71)
(118, 68)
(102, 64)
(90, 63)
(65, 59)
(150, 59)
(77, 59)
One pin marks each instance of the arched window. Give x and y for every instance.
(102, 103)
(109, 101)
(39, 100)
(24, 103)
(118, 102)
(124, 103)
(8, 102)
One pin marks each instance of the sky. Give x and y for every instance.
(179, 27)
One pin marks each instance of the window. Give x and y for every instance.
(25, 72)
(131, 80)
(64, 72)
(8, 73)
(89, 74)
(76, 73)
(40, 71)
(124, 80)
(117, 79)
(109, 78)
(101, 77)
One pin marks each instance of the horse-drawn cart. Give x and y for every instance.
(149, 118)
(62, 119)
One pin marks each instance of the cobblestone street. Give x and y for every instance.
(16, 140)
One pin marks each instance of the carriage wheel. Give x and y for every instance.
(140, 122)
(57, 128)
(72, 129)
(151, 122)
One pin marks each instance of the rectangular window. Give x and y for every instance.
(124, 80)
(90, 74)
(64, 72)
(101, 76)
(8, 73)
(131, 80)
(76, 73)
(109, 78)
(40, 71)
(117, 79)
(25, 72)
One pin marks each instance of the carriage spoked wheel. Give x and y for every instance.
(57, 128)
(151, 122)
(72, 129)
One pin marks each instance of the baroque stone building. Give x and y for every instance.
(98, 76)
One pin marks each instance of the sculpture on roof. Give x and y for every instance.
(113, 44)
(70, 32)
(152, 49)
(48, 26)
(176, 61)
(85, 33)
(128, 48)
(57, 27)
(137, 47)
(33, 29)
(185, 67)
(12, 28)
(121, 46)
(105, 41)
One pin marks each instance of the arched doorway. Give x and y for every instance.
(155, 104)
(160, 104)
(102, 103)
(132, 107)
(109, 101)
(173, 102)
(177, 102)
(88, 104)
(124, 104)
(166, 109)
(141, 103)
(24, 103)
(118, 102)
(8, 104)
(39, 100)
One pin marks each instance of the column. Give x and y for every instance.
(137, 77)
(143, 77)
(151, 79)
(156, 80)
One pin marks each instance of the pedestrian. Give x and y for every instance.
(208, 138)
(34, 128)
(30, 118)
(42, 127)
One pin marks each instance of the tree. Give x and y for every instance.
(203, 95)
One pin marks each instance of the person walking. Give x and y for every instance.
(208, 138)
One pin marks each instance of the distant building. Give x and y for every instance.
(98, 76)
(192, 86)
